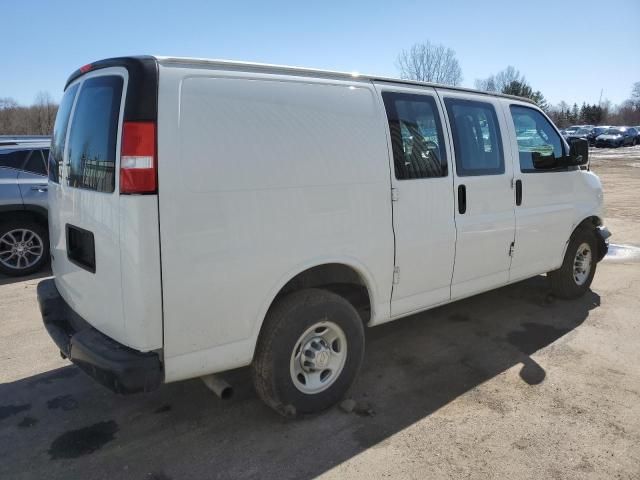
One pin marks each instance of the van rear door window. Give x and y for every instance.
(60, 134)
(94, 133)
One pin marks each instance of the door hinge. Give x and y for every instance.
(511, 248)
(513, 183)
(396, 275)
(394, 194)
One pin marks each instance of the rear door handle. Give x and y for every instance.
(462, 199)
(40, 188)
(518, 192)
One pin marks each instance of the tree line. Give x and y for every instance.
(36, 119)
(426, 62)
(429, 62)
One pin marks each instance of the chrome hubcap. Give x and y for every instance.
(20, 249)
(582, 264)
(318, 357)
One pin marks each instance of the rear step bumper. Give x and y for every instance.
(117, 367)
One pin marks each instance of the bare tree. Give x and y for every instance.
(8, 113)
(37, 119)
(428, 62)
(635, 95)
(44, 113)
(486, 84)
(500, 81)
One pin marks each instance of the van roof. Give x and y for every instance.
(270, 68)
(313, 72)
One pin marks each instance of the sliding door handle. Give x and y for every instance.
(462, 199)
(518, 192)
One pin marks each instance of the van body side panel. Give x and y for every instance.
(262, 176)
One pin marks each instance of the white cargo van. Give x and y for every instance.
(208, 215)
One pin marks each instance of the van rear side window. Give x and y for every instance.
(476, 137)
(94, 133)
(416, 136)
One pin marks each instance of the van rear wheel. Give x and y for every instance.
(575, 275)
(309, 352)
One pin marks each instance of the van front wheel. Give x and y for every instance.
(575, 275)
(309, 352)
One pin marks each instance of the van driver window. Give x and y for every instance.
(537, 139)
(416, 136)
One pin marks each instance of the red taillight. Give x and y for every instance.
(86, 68)
(138, 158)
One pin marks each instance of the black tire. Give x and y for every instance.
(40, 231)
(563, 282)
(286, 322)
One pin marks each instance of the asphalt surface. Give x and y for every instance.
(508, 384)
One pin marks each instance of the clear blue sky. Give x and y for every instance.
(569, 50)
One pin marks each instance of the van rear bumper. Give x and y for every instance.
(116, 366)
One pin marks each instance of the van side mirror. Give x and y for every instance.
(578, 152)
(543, 162)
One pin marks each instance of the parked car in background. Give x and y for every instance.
(6, 140)
(599, 130)
(577, 127)
(578, 133)
(24, 244)
(568, 131)
(617, 137)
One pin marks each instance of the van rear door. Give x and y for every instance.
(104, 245)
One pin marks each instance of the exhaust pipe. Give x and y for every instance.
(219, 386)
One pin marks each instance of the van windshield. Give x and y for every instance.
(94, 133)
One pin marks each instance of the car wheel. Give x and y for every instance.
(575, 275)
(24, 247)
(309, 352)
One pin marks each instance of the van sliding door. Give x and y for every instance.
(423, 199)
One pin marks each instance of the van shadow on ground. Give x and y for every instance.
(60, 424)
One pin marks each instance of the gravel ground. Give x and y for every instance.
(508, 384)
